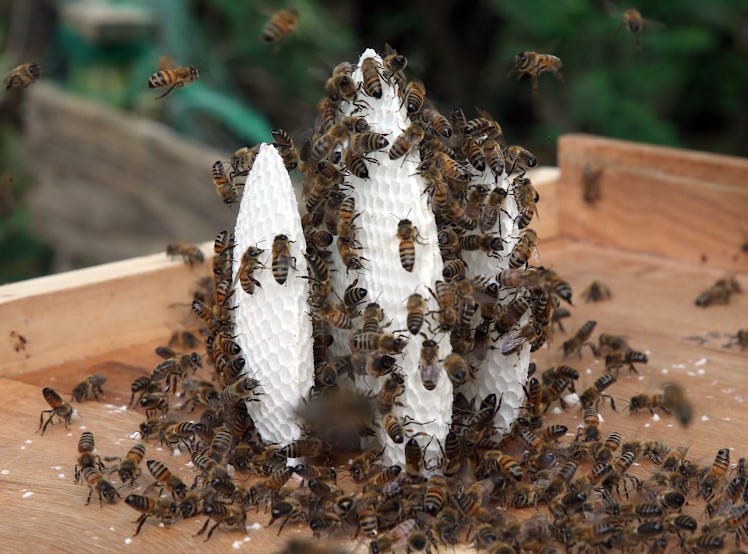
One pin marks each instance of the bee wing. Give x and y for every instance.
(429, 371)
(510, 341)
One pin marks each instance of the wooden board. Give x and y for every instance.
(646, 307)
(676, 203)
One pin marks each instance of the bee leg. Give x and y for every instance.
(41, 419)
(172, 87)
(49, 420)
(203, 528)
(212, 529)
(140, 521)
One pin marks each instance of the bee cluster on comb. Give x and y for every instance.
(376, 347)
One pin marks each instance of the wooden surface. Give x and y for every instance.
(677, 203)
(652, 305)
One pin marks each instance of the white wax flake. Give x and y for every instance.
(600, 417)
(189, 464)
(728, 390)
(701, 371)
(161, 524)
(690, 374)
(640, 378)
(95, 538)
(176, 452)
(230, 470)
(715, 382)
(123, 408)
(709, 397)
(23, 447)
(588, 371)
(572, 399)
(678, 366)
(557, 410)
(112, 529)
(136, 436)
(27, 494)
(158, 448)
(70, 434)
(664, 370)
(28, 441)
(704, 418)
(82, 427)
(128, 540)
(646, 425)
(236, 545)
(255, 526)
(61, 475)
(110, 406)
(655, 418)
(5, 472)
(701, 361)
(670, 425)
(726, 419)
(648, 352)
(740, 399)
(247, 539)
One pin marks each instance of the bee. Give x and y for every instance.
(633, 22)
(60, 408)
(22, 76)
(371, 84)
(473, 153)
(674, 399)
(591, 184)
(494, 156)
(175, 368)
(594, 394)
(190, 253)
(522, 251)
(393, 387)
(173, 78)
(129, 468)
(228, 514)
(287, 150)
(597, 291)
(512, 341)
(243, 160)
(280, 25)
(413, 459)
(225, 188)
(490, 213)
(383, 342)
(86, 457)
(415, 306)
(354, 295)
(303, 447)
(507, 465)
(183, 339)
(533, 64)
(712, 478)
(281, 258)
(161, 508)
(249, 262)
(408, 235)
(373, 316)
(241, 390)
(719, 293)
(607, 344)
(89, 388)
(166, 479)
(435, 495)
(577, 342)
(428, 365)
(619, 358)
(408, 140)
(738, 339)
(457, 369)
(447, 300)
(437, 121)
(96, 482)
(415, 96)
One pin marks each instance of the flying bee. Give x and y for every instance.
(185, 340)
(619, 358)
(128, 469)
(408, 235)
(415, 96)
(511, 342)
(633, 22)
(22, 76)
(96, 482)
(428, 364)
(577, 342)
(190, 253)
(173, 78)
(597, 291)
(280, 25)
(533, 64)
(282, 258)
(60, 408)
(416, 307)
(607, 344)
(674, 399)
(90, 388)
(591, 184)
(162, 508)
(408, 140)
(287, 150)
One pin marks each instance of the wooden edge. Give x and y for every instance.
(92, 311)
(663, 201)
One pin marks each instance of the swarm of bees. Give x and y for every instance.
(583, 492)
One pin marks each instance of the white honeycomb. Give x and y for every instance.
(273, 326)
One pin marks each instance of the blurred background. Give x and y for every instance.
(93, 168)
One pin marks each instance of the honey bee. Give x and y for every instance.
(129, 468)
(526, 197)
(96, 482)
(392, 387)
(166, 479)
(512, 341)
(280, 25)
(533, 64)
(490, 213)
(415, 306)
(364, 143)
(243, 389)
(577, 342)
(154, 402)
(597, 291)
(428, 365)
(633, 22)
(408, 140)
(371, 84)
(249, 262)
(719, 293)
(243, 160)
(413, 459)
(435, 495)
(739, 339)
(591, 184)
(228, 514)
(454, 269)
(185, 340)
(594, 394)
(225, 188)
(523, 249)
(473, 153)
(162, 508)
(457, 369)
(173, 78)
(507, 465)
(86, 457)
(281, 258)
(60, 408)
(90, 388)
(176, 368)
(437, 121)
(387, 343)
(415, 96)
(619, 358)
(408, 235)
(287, 150)
(447, 300)
(190, 253)
(22, 75)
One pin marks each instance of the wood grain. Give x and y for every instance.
(667, 202)
(652, 305)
